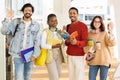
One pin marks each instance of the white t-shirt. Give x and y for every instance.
(27, 24)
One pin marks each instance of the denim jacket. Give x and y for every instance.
(16, 43)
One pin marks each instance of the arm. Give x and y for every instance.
(110, 39)
(8, 24)
(84, 38)
(37, 42)
(44, 41)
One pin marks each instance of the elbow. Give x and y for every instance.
(43, 46)
(112, 44)
(3, 32)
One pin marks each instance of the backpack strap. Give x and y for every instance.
(67, 27)
(18, 22)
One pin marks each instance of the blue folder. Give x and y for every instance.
(26, 54)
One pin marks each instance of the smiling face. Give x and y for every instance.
(73, 15)
(52, 22)
(27, 12)
(97, 23)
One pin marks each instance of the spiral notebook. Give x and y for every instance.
(26, 54)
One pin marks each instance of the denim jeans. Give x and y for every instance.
(22, 70)
(93, 70)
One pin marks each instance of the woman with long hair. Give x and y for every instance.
(98, 53)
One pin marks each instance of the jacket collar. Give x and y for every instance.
(32, 21)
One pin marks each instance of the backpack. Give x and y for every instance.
(10, 36)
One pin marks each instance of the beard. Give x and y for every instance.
(72, 19)
(27, 15)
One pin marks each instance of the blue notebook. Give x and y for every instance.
(65, 36)
(26, 54)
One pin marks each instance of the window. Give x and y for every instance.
(16, 6)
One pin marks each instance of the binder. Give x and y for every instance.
(26, 54)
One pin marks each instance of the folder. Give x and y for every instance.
(71, 36)
(55, 41)
(26, 54)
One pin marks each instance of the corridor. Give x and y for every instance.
(60, 8)
(40, 73)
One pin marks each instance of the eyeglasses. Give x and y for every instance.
(97, 22)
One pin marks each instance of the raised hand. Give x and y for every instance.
(10, 14)
(32, 58)
(64, 30)
(110, 27)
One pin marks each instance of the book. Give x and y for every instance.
(65, 36)
(26, 54)
(74, 35)
(71, 36)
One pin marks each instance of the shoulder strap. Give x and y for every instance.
(18, 22)
(67, 27)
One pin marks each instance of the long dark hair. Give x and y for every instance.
(102, 26)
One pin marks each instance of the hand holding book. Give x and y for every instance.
(67, 36)
(32, 58)
(26, 54)
(73, 41)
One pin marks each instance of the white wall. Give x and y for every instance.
(116, 5)
(47, 9)
(2, 46)
(61, 8)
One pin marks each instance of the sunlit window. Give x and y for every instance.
(16, 6)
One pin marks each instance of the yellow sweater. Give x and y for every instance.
(102, 56)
